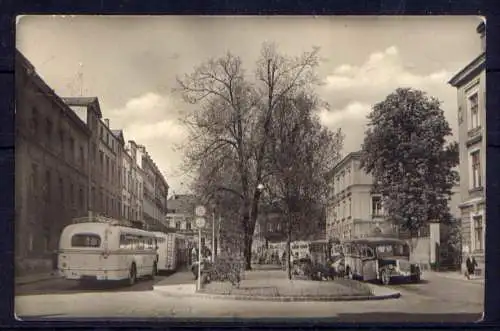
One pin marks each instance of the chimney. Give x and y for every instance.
(481, 30)
(106, 121)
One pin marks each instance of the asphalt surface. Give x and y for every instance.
(434, 300)
(62, 286)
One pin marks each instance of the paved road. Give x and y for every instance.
(436, 299)
(61, 286)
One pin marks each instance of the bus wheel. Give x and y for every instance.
(385, 279)
(132, 277)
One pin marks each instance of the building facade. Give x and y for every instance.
(155, 193)
(470, 83)
(105, 150)
(51, 169)
(354, 211)
(132, 176)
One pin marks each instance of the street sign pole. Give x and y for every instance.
(198, 287)
(200, 223)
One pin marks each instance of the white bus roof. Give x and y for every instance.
(97, 225)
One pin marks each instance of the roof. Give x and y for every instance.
(472, 69)
(84, 102)
(118, 134)
(348, 157)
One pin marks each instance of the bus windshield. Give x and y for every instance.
(393, 250)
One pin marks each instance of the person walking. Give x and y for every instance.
(470, 265)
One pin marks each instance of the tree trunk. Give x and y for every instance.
(288, 249)
(247, 243)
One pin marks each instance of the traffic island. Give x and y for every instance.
(285, 290)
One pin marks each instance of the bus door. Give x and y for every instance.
(369, 263)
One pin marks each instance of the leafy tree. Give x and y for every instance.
(405, 150)
(229, 126)
(301, 156)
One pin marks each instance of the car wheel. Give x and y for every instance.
(385, 278)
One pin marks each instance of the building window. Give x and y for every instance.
(101, 160)
(188, 226)
(61, 141)
(476, 169)
(48, 188)
(478, 233)
(474, 111)
(48, 130)
(177, 225)
(34, 121)
(72, 194)
(350, 207)
(72, 148)
(376, 206)
(61, 189)
(82, 157)
(34, 178)
(81, 198)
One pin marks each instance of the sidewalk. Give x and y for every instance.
(456, 276)
(35, 278)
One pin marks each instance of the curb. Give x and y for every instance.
(164, 290)
(37, 280)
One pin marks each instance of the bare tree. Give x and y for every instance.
(234, 118)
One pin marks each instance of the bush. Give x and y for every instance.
(227, 269)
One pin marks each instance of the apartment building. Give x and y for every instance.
(155, 193)
(51, 169)
(354, 211)
(470, 83)
(132, 186)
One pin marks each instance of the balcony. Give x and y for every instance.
(474, 136)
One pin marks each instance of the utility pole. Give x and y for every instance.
(213, 236)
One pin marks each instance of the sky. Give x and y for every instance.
(131, 63)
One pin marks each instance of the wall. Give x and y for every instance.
(50, 177)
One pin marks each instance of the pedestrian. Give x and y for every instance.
(470, 265)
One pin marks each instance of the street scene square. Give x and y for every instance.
(294, 167)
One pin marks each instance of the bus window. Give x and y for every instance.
(85, 240)
(140, 243)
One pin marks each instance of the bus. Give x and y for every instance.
(166, 251)
(101, 249)
(383, 259)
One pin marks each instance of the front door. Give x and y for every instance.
(369, 263)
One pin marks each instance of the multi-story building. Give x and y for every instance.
(470, 83)
(51, 169)
(358, 212)
(180, 213)
(132, 182)
(155, 193)
(106, 157)
(354, 211)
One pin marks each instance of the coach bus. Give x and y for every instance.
(101, 249)
(383, 259)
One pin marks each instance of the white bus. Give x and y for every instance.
(100, 250)
(167, 251)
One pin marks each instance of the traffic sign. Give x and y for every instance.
(200, 222)
(200, 211)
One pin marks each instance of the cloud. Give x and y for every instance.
(351, 90)
(152, 120)
(354, 111)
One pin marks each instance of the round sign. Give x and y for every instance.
(200, 211)
(200, 222)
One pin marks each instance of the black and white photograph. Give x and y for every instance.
(292, 167)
